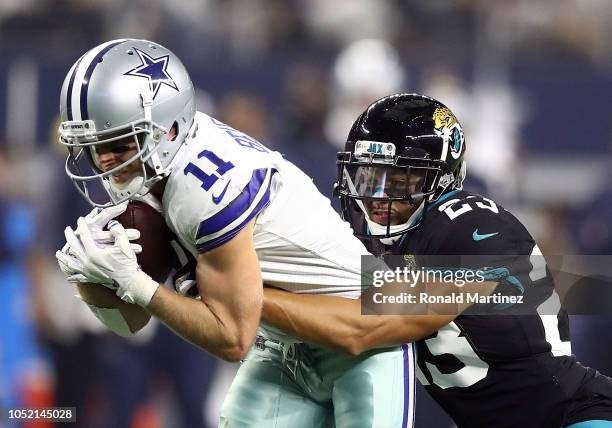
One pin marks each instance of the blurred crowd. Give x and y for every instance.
(530, 80)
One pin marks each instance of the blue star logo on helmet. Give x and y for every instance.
(155, 70)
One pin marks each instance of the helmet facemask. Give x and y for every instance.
(384, 192)
(90, 176)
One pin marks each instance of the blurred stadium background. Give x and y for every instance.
(530, 80)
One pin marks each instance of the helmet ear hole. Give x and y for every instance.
(174, 131)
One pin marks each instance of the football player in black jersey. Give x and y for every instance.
(400, 182)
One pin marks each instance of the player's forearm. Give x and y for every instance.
(197, 323)
(329, 321)
(338, 322)
(122, 318)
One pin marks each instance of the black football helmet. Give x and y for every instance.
(403, 151)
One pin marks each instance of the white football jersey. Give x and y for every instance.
(225, 178)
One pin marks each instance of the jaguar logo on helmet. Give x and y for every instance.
(447, 126)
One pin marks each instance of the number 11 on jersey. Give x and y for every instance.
(208, 180)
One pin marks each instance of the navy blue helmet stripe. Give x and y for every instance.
(69, 91)
(85, 85)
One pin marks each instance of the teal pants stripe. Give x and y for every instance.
(592, 424)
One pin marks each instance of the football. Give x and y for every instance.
(157, 259)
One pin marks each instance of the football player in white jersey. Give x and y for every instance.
(247, 215)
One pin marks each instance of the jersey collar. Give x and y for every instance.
(417, 216)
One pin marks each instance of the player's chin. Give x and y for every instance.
(122, 178)
(379, 218)
(383, 218)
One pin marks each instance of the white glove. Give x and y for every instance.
(73, 269)
(96, 220)
(116, 262)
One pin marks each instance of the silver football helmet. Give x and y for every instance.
(125, 90)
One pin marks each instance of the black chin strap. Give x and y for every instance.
(416, 198)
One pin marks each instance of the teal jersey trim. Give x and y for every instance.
(592, 424)
(443, 198)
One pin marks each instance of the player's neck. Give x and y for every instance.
(158, 188)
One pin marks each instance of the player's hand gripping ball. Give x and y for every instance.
(156, 259)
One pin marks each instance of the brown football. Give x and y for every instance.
(157, 259)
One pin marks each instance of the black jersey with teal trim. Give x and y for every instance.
(500, 370)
